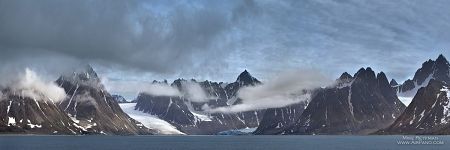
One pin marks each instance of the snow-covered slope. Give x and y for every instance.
(149, 121)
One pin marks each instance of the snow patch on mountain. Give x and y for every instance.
(407, 96)
(446, 110)
(149, 121)
(11, 121)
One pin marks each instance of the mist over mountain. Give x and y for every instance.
(93, 108)
(296, 102)
(215, 67)
(360, 104)
(190, 112)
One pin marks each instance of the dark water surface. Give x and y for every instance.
(222, 142)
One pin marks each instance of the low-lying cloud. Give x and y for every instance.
(132, 88)
(29, 84)
(194, 92)
(285, 89)
(161, 89)
(85, 98)
(191, 90)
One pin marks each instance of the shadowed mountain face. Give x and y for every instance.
(119, 99)
(356, 105)
(93, 108)
(275, 120)
(428, 112)
(27, 115)
(190, 117)
(438, 69)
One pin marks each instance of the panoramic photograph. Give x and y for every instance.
(224, 74)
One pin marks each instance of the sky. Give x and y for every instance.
(135, 41)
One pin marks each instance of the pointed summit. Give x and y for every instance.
(87, 73)
(89, 103)
(382, 79)
(441, 59)
(393, 82)
(367, 73)
(438, 69)
(381, 75)
(83, 74)
(345, 76)
(246, 79)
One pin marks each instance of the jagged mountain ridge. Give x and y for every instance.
(428, 112)
(360, 105)
(355, 105)
(119, 99)
(190, 117)
(93, 108)
(438, 69)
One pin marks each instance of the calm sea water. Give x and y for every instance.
(221, 142)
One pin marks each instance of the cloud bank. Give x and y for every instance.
(133, 88)
(194, 92)
(285, 89)
(29, 84)
(161, 89)
(152, 36)
(189, 89)
(216, 40)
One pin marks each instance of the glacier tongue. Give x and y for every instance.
(149, 121)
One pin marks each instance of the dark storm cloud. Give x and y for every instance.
(155, 36)
(218, 39)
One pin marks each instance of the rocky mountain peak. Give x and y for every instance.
(178, 82)
(83, 75)
(345, 76)
(160, 82)
(88, 73)
(382, 80)
(438, 69)
(119, 98)
(382, 76)
(427, 114)
(367, 73)
(393, 82)
(441, 59)
(245, 78)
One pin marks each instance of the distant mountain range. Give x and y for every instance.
(190, 117)
(365, 103)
